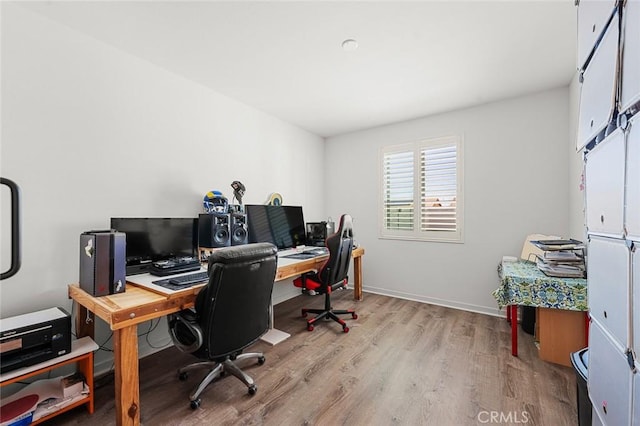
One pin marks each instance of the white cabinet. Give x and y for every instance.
(610, 378)
(611, 88)
(635, 288)
(632, 213)
(635, 415)
(597, 94)
(608, 286)
(593, 15)
(604, 186)
(630, 91)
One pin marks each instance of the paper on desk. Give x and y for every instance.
(529, 251)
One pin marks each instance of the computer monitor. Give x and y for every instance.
(282, 226)
(153, 239)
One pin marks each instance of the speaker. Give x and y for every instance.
(103, 262)
(239, 231)
(213, 230)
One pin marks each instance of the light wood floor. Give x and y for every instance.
(403, 362)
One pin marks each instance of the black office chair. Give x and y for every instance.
(231, 313)
(332, 275)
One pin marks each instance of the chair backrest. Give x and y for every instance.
(233, 310)
(340, 246)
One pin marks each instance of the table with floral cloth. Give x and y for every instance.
(522, 283)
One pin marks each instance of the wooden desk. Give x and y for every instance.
(124, 311)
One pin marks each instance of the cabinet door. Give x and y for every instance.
(608, 285)
(597, 94)
(636, 398)
(630, 91)
(635, 274)
(593, 15)
(604, 186)
(610, 378)
(632, 213)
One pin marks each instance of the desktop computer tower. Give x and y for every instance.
(103, 262)
(214, 230)
(239, 230)
(317, 232)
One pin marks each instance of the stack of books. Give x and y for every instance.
(561, 258)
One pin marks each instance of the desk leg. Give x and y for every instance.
(514, 329)
(125, 352)
(586, 328)
(84, 322)
(357, 279)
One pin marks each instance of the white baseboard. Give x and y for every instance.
(435, 301)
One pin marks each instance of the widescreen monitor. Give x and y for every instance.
(282, 226)
(153, 239)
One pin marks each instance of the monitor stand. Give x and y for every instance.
(274, 336)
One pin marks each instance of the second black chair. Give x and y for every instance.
(331, 276)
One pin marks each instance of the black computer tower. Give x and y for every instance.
(103, 262)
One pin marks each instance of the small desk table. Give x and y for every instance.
(522, 283)
(124, 311)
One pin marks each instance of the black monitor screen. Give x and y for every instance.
(152, 239)
(283, 226)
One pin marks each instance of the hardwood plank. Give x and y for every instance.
(403, 362)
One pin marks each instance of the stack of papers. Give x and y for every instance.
(561, 258)
(561, 270)
(551, 245)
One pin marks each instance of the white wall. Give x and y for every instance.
(89, 133)
(515, 183)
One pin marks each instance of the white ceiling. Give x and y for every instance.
(414, 58)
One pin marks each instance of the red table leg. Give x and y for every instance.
(586, 328)
(509, 313)
(514, 329)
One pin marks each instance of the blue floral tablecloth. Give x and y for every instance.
(522, 283)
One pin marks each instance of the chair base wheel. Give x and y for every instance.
(354, 315)
(261, 360)
(253, 389)
(345, 329)
(195, 404)
(309, 327)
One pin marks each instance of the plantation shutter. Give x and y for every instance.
(398, 178)
(438, 188)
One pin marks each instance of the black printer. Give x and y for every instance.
(33, 338)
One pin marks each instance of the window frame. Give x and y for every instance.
(416, 234)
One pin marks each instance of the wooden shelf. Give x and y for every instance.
(81, 354)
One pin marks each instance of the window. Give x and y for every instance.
(421, 190)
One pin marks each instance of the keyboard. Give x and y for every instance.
(189, 279)
(318, 251)
(185, 280)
